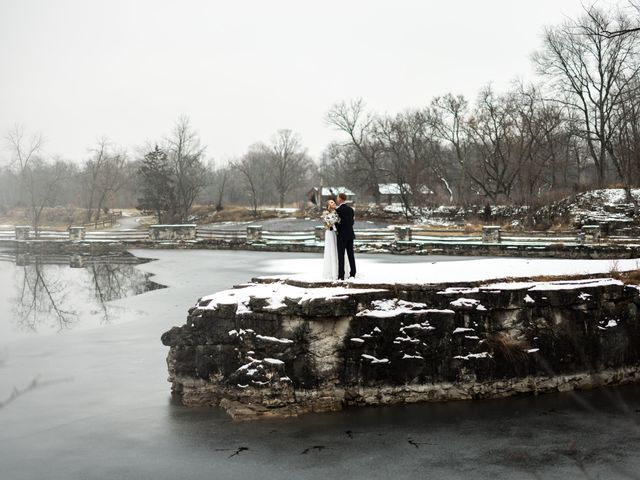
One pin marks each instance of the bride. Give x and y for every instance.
(330, 265)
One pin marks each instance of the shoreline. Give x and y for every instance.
(504, 249)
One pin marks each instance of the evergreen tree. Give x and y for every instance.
(157, 185)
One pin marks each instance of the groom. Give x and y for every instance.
(345, 236)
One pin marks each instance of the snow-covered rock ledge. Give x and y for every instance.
(280, 348)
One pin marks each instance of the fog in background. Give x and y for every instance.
(76, 70)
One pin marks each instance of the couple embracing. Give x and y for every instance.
(338, 239)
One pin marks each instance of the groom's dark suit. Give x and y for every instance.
(345, 239)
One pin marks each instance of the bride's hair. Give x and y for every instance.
(329, 203)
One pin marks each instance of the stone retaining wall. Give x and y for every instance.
(585, 251)
(282, 349)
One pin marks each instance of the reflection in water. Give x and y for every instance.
(42, 297)
(113, 281)
(55, 292)
(33, 385)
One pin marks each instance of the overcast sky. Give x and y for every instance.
(76, 70)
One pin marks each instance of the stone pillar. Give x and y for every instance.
(591, 232)
(319, 233)
(402, 234)
(22, 233)
(490, 234)
(76, 261)
(76, 234)
(190, 231)
(580, 237)
(254, 233)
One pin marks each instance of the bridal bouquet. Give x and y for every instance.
(330, 219)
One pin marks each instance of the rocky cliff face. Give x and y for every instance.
(284, 348)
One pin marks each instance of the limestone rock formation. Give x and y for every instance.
(284, 347)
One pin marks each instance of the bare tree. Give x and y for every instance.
(626, 138)
(39, 180)
(591, 72)
(359, 126)
(252, 167)
(221, 178)
(410, 150)
(448, 117)
(288, 162)
(533, 124)
(104, 176)
(9, 188)
(39, 295)
(185, 155)
(497, 158)
(628, 30)
(111, 281)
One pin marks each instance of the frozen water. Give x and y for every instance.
(100, 406)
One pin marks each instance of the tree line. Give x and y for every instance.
(166, 178)
(576, 127)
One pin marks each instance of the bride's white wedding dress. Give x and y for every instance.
(330, 265)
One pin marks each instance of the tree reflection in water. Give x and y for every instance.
(53, 295)
(113, 281)
(42, 297)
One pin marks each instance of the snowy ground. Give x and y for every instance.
(431, 270)
(428, 270)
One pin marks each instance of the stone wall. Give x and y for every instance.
(186, 237)
(288, 348)
(172, 232)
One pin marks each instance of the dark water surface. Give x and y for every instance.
(90, 401)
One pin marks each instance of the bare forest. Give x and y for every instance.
(575, 127)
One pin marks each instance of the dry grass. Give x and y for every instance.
(556, 278)
(508, 227)
(631, 277)
(512, 349)
(472, 227)
(559, 227)
(230, 213)
(242, 213)
(54, 217)
(618, 185)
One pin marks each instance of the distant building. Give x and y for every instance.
(390, 192)
(320, 195)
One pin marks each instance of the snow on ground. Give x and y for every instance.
(281, 209)
(393, 307)
(609, 205)
(274, 293)
(371, 271)
(607, 196)
(557, 285)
